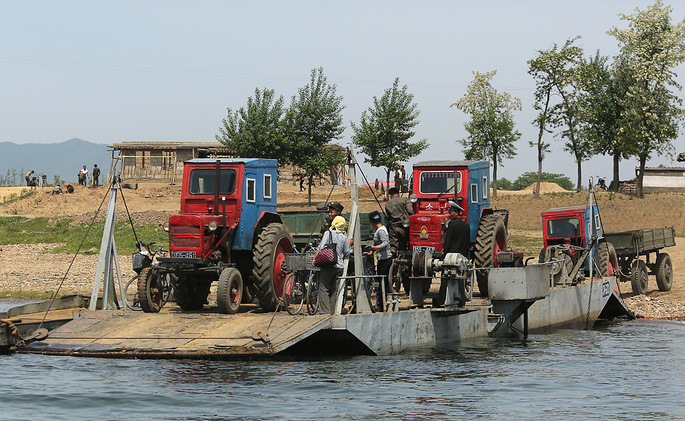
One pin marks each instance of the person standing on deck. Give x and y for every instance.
(329, 276)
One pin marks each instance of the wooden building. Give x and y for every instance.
(156, 160)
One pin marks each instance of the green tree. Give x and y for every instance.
(601, 95)
(566, 113)
(311, 123)
(385, 130)
(255, 130)
(550, 70)
(491, 129)
(528, 178)
(650, 49)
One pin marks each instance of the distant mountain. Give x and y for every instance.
(64, 159)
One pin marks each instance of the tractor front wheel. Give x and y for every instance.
(491, 239)
(269, 256)
(229, 292)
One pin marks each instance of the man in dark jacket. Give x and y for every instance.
(457, 240)
(458, 233)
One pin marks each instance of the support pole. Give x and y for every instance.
(359, 284)
(108, 257)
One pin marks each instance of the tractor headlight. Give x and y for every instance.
(413, 198)
(213, 225)
(165, 226)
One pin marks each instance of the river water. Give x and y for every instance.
(629, 370)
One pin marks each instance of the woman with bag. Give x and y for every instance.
(336, 240)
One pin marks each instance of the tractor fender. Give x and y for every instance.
(265, 219)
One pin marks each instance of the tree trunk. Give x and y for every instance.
(537, 186)
(310, 181)
(494, 176)
(580, 176)
(615, 182)
(643, 162)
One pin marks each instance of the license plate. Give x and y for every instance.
(184, 254)
(422, 248)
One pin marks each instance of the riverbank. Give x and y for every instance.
(30, 269)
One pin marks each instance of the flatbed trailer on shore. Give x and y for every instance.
(634, 249)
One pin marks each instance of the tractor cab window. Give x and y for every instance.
(563, 228)
(203, 181)
(436, 182)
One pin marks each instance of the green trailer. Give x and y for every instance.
(633, 252)
(305, 226)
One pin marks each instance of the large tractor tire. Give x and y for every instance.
(491, 239)
(269, 255)
(608, 262)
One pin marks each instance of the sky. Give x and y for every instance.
(115, 71)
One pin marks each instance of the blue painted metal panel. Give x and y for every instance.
(479, 193)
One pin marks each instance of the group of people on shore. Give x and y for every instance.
(83, 176)
(386, 244)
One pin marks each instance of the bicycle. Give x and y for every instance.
(153, 290)
(301, 284)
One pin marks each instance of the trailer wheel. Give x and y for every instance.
(269, 256)
(491, 239)
(150, 290)
(229, 291)
(608, 262)
(638, 279)
(664, 272)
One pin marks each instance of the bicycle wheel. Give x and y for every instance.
(293, 294)
(134, 304)
(313, 293)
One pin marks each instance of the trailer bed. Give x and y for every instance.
(642, 241)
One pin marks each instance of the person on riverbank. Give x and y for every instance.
(329, 276)
(83, 176)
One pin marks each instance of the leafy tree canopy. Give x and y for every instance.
(255, 130)
(385, 130)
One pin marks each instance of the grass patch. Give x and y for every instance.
(21, 230)
(529, 245)
(14, 197)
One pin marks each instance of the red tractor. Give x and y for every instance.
(573, 234)
(434, 184)
(228, 231)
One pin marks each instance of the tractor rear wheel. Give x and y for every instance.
(229, 291)
(491, 239)
(269, 256)
(608, 262)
